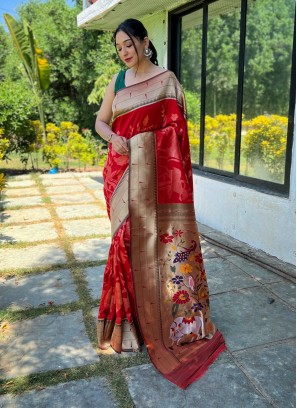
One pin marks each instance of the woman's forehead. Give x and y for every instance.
(122, 37)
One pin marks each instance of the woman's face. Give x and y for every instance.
(126, 50)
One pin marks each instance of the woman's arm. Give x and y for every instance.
(119, 143)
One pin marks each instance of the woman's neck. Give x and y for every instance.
(145, 67)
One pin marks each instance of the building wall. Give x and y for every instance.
(264, 221)
(156, 25)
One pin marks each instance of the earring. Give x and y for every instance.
(148, 53)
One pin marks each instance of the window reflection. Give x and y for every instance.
(221, 85)
(268, 58)
(191, 50)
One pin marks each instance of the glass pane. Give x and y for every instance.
(221, 84)
(268, 59)
(191, 48)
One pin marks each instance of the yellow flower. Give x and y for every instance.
(186, 268)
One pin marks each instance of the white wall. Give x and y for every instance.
(156, 25)
(264, 221)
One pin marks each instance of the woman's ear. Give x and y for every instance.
(146, 41)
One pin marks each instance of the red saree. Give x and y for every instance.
(155, 286)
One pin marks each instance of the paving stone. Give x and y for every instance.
(60, 182)
(81, 210)
(25, 215)
(91, 249)
(19, 192)
(93, 174)
(274, 369)
(94, 277)
(28, 233)
(22, 201)
(80, 228)
(223, 276)
(64, 189)
(20, 183)
(56, 176)
(31, 257)
(36, 290)
(72, 198)
(48, 342)
(20, 177)
(285, 289)
(218, 250)
(207, 251)
(85, 393)
(251, 317)
(204, 229)
(95, 187)
(92, 181)
(222, 385)
(256, 271)
(99, 195)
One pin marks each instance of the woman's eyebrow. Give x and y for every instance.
(128, 39)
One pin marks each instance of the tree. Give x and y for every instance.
(77, 57)
(35, 64)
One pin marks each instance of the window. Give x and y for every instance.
(234, 62)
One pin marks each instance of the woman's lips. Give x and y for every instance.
(128, 59)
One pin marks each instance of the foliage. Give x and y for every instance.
(268, 57)
(77, 57)
(17, 109)
(35, 64)
(4, 145)
(265, 142)
(3, 183)
(193, 133)
(65, 142)
(263, 145)
(220, 136)
(193, 106)
(53, 148)
(105, 71)
(4, 50)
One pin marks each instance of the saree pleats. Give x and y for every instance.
(155, 279)
(115, 326)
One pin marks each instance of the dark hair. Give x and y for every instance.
(135, 28)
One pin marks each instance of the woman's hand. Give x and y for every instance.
(119, 144)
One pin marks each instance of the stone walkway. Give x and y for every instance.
(54, 239)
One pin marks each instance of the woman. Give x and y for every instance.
(155, 288)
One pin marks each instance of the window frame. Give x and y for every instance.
(174, 64)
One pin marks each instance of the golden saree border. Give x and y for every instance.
(180, 359)
(161, 86)
(119, 205)
(121, 337)
(144, 256)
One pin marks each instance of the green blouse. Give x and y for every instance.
(120, 81)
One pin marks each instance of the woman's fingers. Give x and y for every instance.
(120, 145)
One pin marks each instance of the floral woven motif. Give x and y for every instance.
(187, 290)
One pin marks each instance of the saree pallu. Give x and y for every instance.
(155, 288)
